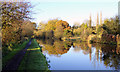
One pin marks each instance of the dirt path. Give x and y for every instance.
(14, 63)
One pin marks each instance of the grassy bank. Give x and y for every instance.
(11, 53)
(34, 59)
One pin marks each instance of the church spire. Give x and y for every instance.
(90, 21)
(97, 19)
(97, 22)
(100, 18)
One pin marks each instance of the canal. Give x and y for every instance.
(66, 55)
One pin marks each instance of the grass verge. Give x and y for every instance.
(12, 53)
(34, 59)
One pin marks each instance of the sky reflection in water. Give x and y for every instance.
(81, 56)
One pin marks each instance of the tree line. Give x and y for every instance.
(59, 29)
(53, 29)
(15, 23)
(17, 27)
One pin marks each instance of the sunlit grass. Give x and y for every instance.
(34, 59)
(33, 49)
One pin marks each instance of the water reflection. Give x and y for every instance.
(98, 54)
(55, 47)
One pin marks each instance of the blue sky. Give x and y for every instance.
(73, 10)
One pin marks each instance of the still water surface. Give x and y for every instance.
(81, 56)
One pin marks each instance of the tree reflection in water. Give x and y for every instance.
(55, 47)
(109, 54)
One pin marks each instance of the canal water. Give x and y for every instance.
(81, 56)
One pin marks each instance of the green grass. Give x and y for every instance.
(34, 59)
(12, 53)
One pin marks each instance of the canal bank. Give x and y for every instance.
(34, 59)
(29, 57)
(9, 53)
